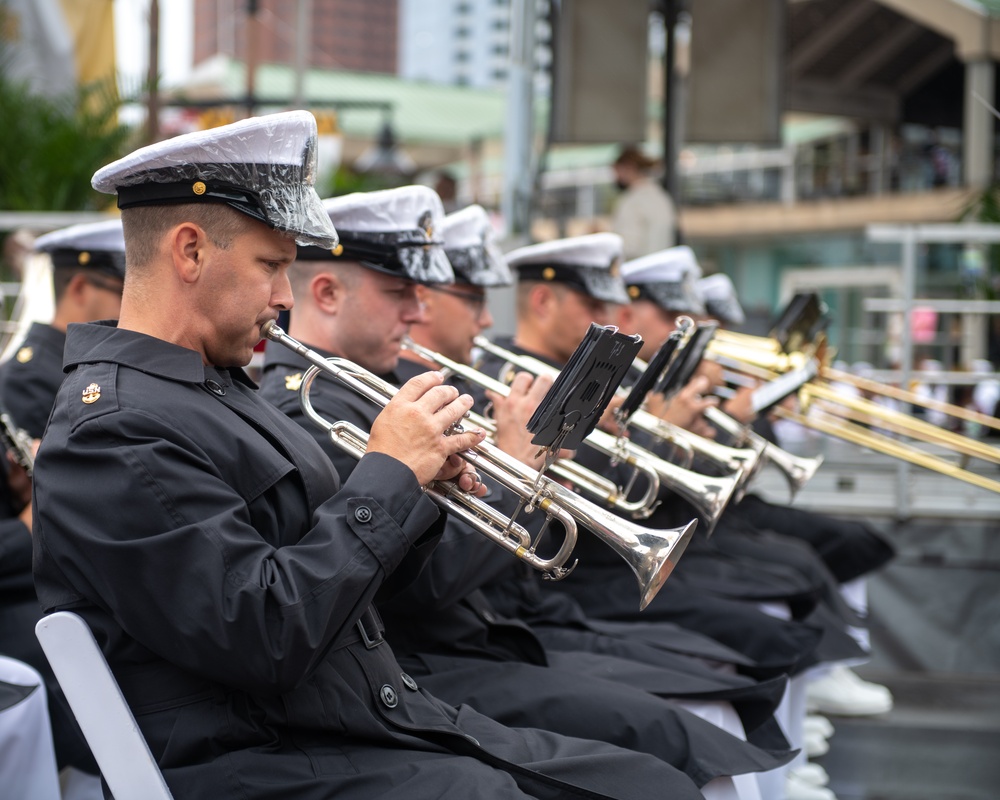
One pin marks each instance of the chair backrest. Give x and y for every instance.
(100, 708)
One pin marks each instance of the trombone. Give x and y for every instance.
(651, 554)
(728, 346)
(845, 418)
(709, 494)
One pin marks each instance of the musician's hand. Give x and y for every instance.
(740, 405)
(687, 408)
(512, 413)
(412, 425)
(711, 370)
(608, 422)
(460, 471)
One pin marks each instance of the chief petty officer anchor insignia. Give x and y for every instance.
(92, 394)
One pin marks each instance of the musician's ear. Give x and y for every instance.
(328, 291)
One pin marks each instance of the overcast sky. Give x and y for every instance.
(132, 35)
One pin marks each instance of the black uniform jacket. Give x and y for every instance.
(201, 535)
(30, 379)
(463, 649)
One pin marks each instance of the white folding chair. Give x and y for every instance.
(100, 708)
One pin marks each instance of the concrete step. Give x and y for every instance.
(941, 741)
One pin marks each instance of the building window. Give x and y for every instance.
(499, 49)
(461, 56)
(462, 33)
(499, 75)
(463, 8)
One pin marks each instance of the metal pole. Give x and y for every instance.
(909, 245)
(252, 40)
(519, 127)
(303, 47)
(671, 8)
(153, 75)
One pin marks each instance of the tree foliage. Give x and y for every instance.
(50, 148)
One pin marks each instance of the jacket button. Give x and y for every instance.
(215, 387)
(363, 514)
(408, 682)
(389, 697)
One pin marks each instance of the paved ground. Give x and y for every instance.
(940, 742)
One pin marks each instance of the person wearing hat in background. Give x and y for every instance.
(645, 216)
(357, 303)
(226, 577)
(88, 263)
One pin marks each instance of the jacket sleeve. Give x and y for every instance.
(173, 552)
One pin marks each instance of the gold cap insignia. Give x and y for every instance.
(548, 273)
(427, 223)
(199, 187)
(83, 257)
(92, 394)
(25, 354)
(633, 292)
(293, 382)
(339, 249)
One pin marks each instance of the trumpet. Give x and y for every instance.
(798, 470)
(709, 494)
(651, 554)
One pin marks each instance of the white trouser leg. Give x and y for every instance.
(27, 757)
(724, 716)
(855, 594)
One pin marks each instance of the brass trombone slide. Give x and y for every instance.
(882, 444)
(910, 397)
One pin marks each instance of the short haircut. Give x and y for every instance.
(144, 227)
(61, 276)
(302, 272)
(524, 289)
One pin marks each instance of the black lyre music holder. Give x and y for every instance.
(683, 367)
(574, 404)
(662, 359)
(800, 321)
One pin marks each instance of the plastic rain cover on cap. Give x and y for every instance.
(394, 231)
(264, 167)
(471, 247)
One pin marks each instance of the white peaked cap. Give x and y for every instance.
(665, 266)
(589, 263)
(264, 167)
(92, 245)
(668, 278)
(471, 246)
(394, 231)
(105, 236)
(719, 296)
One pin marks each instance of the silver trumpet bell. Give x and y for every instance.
(651, 554)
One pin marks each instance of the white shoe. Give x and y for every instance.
(798, 789)
(812, 774)
(818, 725)
(842, 692)
(814, 745)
